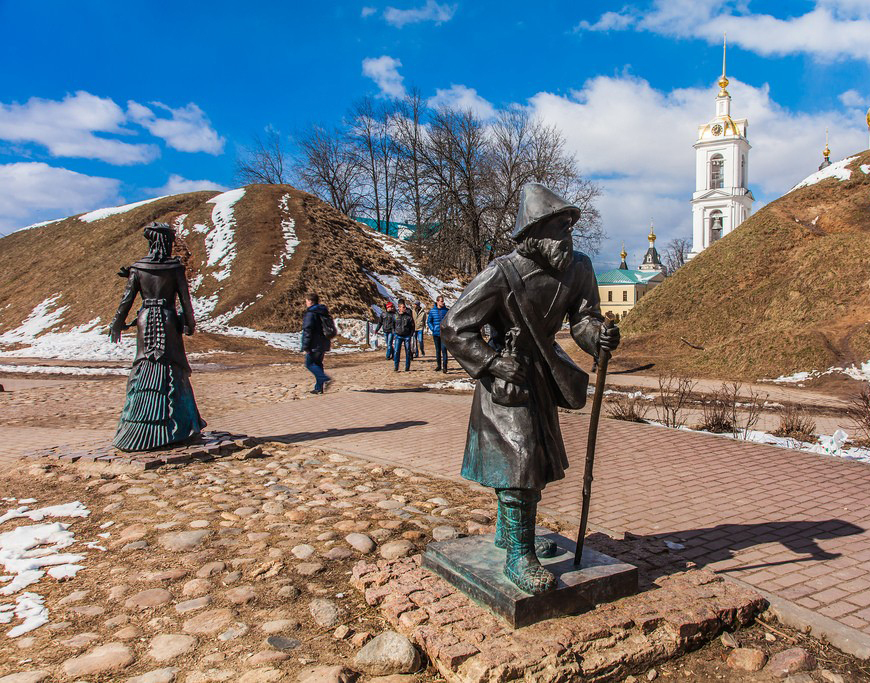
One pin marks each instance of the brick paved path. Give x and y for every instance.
(794, 524)
(791, 523)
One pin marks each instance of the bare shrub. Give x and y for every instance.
(745, 413)
(627, 407)
(717, 412)
(859, 412)
(795, 424)
(674, 393)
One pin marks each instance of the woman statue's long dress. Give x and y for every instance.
(160, 409)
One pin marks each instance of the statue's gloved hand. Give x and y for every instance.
(609, 339)
(508, 369)
(115, 331)
(187, 331)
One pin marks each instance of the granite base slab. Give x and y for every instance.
(474, 565)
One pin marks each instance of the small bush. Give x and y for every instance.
(717, 412)
(859, 412)
(795, 424)
(674, 393)
(627, 407)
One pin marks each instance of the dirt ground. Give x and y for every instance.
(276, 540)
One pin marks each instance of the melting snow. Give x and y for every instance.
(859, 372)
(114, 210)
(27, 553)
(454, 384)
(88, 342)
(41, 318)
(836, 170)
(220, 242)
(865, 169)
(290, 240)
(39, 225)
(178, 225)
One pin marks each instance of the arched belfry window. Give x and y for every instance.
(715, 225)
(717, 171)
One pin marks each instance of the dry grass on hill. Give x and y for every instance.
(786, 292)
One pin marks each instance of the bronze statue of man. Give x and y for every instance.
(160, 409)
(514, 440)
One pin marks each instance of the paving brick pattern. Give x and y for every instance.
(791, 523)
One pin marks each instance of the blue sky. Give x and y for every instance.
(103, 103)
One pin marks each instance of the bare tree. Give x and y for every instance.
(409, 140)
(676, 254)
(326, 166)
(264, 161)
(371, 132)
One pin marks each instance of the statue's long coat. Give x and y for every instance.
(520, 446)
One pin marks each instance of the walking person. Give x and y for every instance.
(419, 328)
(387, 323)
(317, 327)
(404, 330)
(436, 315)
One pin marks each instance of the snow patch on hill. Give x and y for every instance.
(44, 316)
(114, 210)
(836, 170)
(220, 241)
(291, 241)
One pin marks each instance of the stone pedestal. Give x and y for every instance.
(474, 566)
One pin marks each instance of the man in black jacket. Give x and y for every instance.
(404, 330)
(315, 344)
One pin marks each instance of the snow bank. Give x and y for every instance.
(464, 384)
(836, 170)
(288, 230)
(114, 210)
(865, 169)
(41, 318)
(27, 553)
(859, 372)
(220, 241)
(88, 342)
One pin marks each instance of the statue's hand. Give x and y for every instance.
(187, 331)
(609, 338)
(115, 332)
(508, 369)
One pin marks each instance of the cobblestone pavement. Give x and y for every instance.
(791, 523)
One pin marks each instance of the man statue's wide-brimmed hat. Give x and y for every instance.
(537, 204)
(156, 229)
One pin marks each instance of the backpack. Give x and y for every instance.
(327, 325)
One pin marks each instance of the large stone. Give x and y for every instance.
(241, 595)
(262, 676)
(325, 674)
(746, 659)
(790, 661)
(208, 622)
(360, 542)
(111, 657)
(396, 549)
(168, 646)
(153, 597)
(210, 676)
(37, 676)
(388, 653)
(283, 643)
(325, 612)
(165, 675)
(182, 540)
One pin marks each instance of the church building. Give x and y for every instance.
(722, 199)
(621, 288)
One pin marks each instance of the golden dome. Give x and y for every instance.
(623, 253)
(652, 234)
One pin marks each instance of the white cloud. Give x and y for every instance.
(430, 11)
(636, 141)
(187, 129)
(462, 97)
(852, 98)
(832, 29)
(34, 191)
(67, 128)
(384, 71)
(366, 12)
(178, 185)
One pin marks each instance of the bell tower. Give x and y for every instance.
(722, 199)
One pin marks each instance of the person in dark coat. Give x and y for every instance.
(514, 442)
(404, 330)
(436, 316)
(315, 343)
(159, 408)
(387, 322)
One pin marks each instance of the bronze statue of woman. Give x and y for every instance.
(160, 409)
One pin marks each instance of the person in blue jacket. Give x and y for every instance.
(436, 315)
(315, 344)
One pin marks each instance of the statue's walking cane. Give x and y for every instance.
(600, 378)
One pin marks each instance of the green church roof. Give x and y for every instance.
(618, 276)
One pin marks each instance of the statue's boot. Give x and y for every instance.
(521, 565)
(544, 547)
